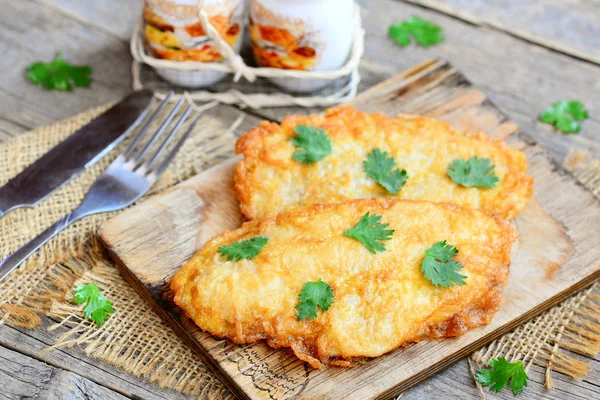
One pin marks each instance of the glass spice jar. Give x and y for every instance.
(173, 31)
(307, 35)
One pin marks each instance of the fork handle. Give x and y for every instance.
(12, 261)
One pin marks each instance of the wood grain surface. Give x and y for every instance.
(574, 33)
(520, 74)
(556, 253)
(22, 376)
(31, 344)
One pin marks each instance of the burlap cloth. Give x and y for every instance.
(135, 338)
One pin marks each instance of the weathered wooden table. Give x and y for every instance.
(523, 54)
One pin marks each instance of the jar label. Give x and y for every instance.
(172, 28)
(281, 42)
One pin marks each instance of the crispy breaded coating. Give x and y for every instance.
(268, 180)
(381, 301)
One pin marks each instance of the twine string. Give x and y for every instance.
(235, 65)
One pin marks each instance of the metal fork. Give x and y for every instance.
(126, 179)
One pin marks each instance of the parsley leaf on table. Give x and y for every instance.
(243, 250)
(97, 307)
(439, 267)
(369, 230)
(314, 144)
(473, 172)
(425, 32)
(313, 295)
(380, 167)
(59, 74)
(502, 371)
(564, 115)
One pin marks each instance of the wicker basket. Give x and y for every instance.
(248, 86)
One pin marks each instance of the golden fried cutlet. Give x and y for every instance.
(268, 180)
(381, 301)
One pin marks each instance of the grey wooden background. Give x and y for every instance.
(524, 54)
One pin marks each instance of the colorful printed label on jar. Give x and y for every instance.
(173, 30)
(281, 42)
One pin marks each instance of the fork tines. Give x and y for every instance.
(143, 155)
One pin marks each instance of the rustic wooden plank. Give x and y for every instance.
(372, 71)
(519, 77)
(153, 239)
(38, 107)
(456, 383)
(10, 129)
(488, 73)
(114, 16)
(31, 342)
(475, 50)
(33, 32)
(591, 378)
(21, 339)
(186, 212)
(437, 89)
(567, 26)
(27, 113)
(23, 377)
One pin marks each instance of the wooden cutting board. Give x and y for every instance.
(557, 253)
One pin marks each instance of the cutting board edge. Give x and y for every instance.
(493, 335)
(137, 284)
(214, 366)
(434, 368)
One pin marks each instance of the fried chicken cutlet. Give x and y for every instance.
(269, 179)
(380, 301)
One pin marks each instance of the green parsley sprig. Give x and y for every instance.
(475, 172)
(565, 115)
(313, 143)
(439, 266)
(380, 168)
(244, 249)
(370, 231)
(425, 32)
(59, 74)
(501, 373)
(97, 306)
(313, 295)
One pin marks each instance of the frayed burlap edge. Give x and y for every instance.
(573, 325)
(27, 293)
(134, 338)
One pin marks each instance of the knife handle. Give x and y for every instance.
(12, 261)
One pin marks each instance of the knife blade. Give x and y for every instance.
(74, 154)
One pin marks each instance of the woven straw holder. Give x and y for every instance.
(235, 65)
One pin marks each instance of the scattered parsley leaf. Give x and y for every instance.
(369, 230)
(380, 167)
(564, 115)
(502, 371)
(97, 307)
(314, 144)
(425, 32)
(243, 250)
(439, 267)
(59, 74)
(313, 295)
(475, 171)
